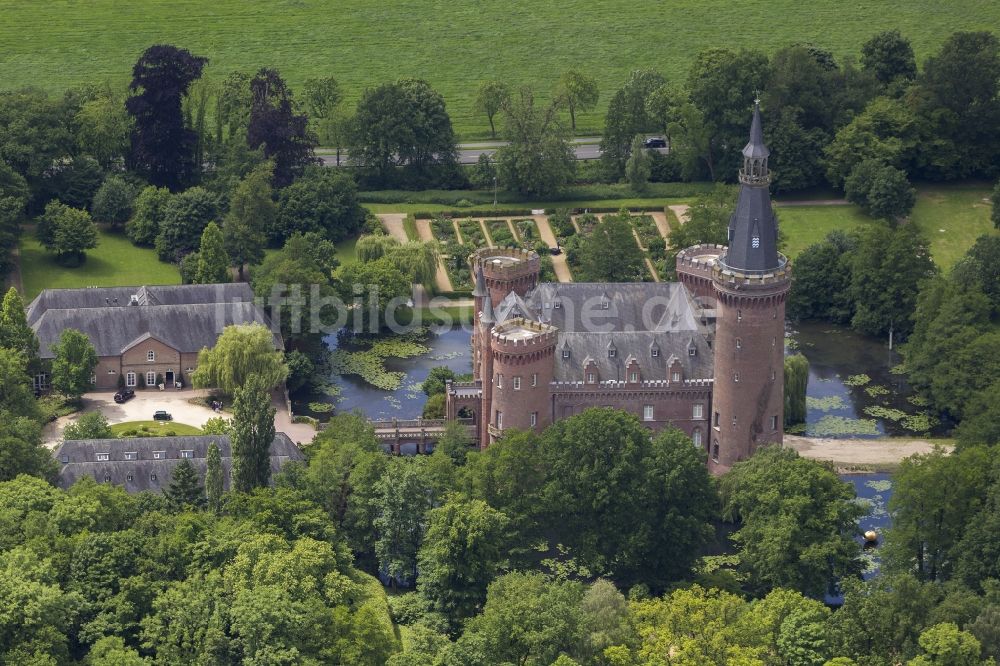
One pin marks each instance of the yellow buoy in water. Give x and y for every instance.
(871, 536)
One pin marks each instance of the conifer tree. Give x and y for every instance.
(14, 330)
(252, 434)
(185, 490)
(213, 478)
(213, 262)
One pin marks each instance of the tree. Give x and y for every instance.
(252, 214)
(103, 128)
(638, 166)
(242, 351)
(35, 135)
(537, 158)
(113, 202)
(213, 262)
(821, 289)
(777, 497)
(435, 407)
(609, 253)
(147, 215)
(275, 126)
(491, 97)
(882, 191)
(577, 92)
(887, 131)
(16, 396)
(322, 96)
(213, 478)
(112, 651)
(627, 117)
(403, 124)
(607, 493)
(68, 232)
(796, 381)
(162, 146)
(21, 449)
(462, 551)
(252, 434)
(73, 363)
(995, 202)
(887, 270)
(403, 498)
(889, 56)
(15, 333)
(185, 217)
(945, 645)
(708, 221)
(380, 286)
(436, 378)
(91, 425)
(185, 491)
(323, 201)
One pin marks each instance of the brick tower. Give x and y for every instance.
(751, 281)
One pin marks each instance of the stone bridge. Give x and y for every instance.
(395, 434)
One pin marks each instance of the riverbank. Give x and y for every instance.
(872, 455)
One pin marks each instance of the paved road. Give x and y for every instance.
(585, 148)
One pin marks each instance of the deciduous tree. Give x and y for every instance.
(627, 117)
(252, 214)
(252, 434)
(537, 158)
(609, 253)
(185, 217)
(73, 363)
(91, 425)
(147, 215)
(68, 232)
(113, 202)
(882, 191)
(214, 479)
(578, 92)
(491, 97)
(276, 126)
(324, 201)
(638, 168)
(15, 333)
(241, 352)
(889, 56)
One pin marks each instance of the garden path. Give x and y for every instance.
(393, 223)
(680, 211)
(486, 233)
(441, 279)
(661, 224)
(559, 264)
(517, 236)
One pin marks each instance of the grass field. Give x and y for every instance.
(114, 262)
(155, 428)
(453, 45)
(951, 217)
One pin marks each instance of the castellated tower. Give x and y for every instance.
(522, 360)
(750, 279)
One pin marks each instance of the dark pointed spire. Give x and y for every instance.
(480, 288)
(487, 316)
(753, 229)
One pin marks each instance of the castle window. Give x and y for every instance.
(605, 304)
(499, 381)
(647, 412)
(111, 371)
(755, 243)
(654, 352)
(187, 454)
(772, 343)
(739, 343)
(611, 353)
(696, 412)
(675, 377)
(739, 315)
(736, 377)
(534, 419)
(158, 455)
(534, 379)
(128, 477)
(150, 356)
(102, 456)
(499, 419)
(130, 379)
(696, 437)
(130, 455)
(715, 451)
(715, 421)
(774, 315)
(565, 353)
(734, 420)
(591, 378)
(692, 351)
(633, 376)
(774, 423)
(152, 477)
(557, 305)
(772, 375)
(517, 383)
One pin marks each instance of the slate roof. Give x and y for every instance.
(185, 317)
(78, 459)
(753, 217)
(639, 316)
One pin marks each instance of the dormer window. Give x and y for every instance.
(130, 455)
(128, 477)
(633, 376)
(187, 454)
(755, 242)
(565, 353)
(101, 457)
(675, 376)
(150, 356)
(654, 352)
(557, 305)
(692, 351)
(612, 352)
(158, 455)
(591, 378)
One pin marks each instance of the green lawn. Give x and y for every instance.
(453, 45)
(636, 202)
(951, 217)
(114, 262)
(155, 428)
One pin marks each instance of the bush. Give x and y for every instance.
(305, 419)
(170, 433)
(561, 222)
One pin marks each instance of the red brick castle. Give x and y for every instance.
(704, 354)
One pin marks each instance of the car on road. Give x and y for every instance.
(655, 142)
(124, 395)
(161, 415)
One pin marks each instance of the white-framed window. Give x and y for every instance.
(734, 420)
(128, 477)
(534, 379)
(41, 382)
(565, 353)
(101, 457)
(774, 423)
(633, 376)
(93, 379)
(654, 352)
(111, 371)
(605, 304)
(151, 356)
(150, 378)
(130, 379)
(517, 383)
(499, 381)
(611, 353)
(187, 454)
(675, 376)
(647, 412)
(739, 343)
(499, 419)
(697, 411)
(130, 455)
(158, 455)
(739, 315)
(696, 437)
(692, 351)
(152, 477)
(534, 419)
(591, 378)
(736, 377)
(755, 242)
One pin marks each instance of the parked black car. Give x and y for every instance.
(124, 395)
(161, 415)
(655, 142)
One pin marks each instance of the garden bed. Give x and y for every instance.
(501, 234)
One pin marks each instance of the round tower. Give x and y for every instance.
(523, 362)
(507, 269)
(751, 280)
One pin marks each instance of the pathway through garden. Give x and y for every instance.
(680, 211)
(393, 223)
(559, 264)
(661, 224)
(441, 279)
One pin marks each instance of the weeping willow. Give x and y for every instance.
(372, 247)
(417, 260)
(796, 380)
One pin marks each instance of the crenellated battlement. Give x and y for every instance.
(698, 256)
(505, 263)
(633, 386)
(730, 278)
(519, 334)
